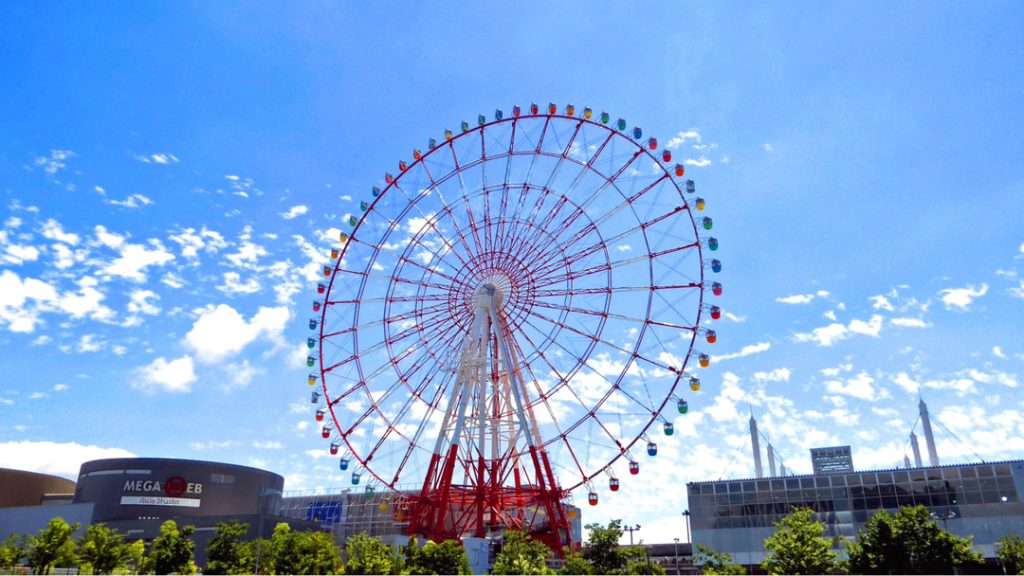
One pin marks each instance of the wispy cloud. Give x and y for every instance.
(748, 350)
(961, 298)
(158, 158)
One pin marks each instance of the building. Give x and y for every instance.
(136, 495)
(378, 513)
(21, 488)
(982, 501)
(831, 459)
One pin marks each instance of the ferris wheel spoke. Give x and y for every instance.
(428, 220)
(547, 264)
(605, 342)
(614, 315)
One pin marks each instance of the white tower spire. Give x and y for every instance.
(771, 460)
(929, 438)
(756, 445)
(917, 450)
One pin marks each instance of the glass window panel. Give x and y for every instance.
(971, 498)
(874, 503)
(853, 480)
(950, 473)
(762, 486)
(889, 502)
(1002, 469)
(748, 486)
(984, 471)
(901, 476)
(991, 497)
(969, 472)
(792, 483)
(917, 474)
(734, 487)
(869, 479)
(778, 484)
(885, 477)
(821, 482)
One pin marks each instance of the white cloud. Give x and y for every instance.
(172, 280)
(54, 231)
(860, 386)
(132, 201)
(295, 211)
(61, 388)
(18, 254)
(998, 352)
(233, 284)
(213, 445)
(802, 298)
(835, 332)
(747, 350)
(767, 147)
(55, 162)
(776, 375)
(909, 322)
(192, 242)
(158, 158)
(961, 298)
(267, 445)
(870, 328)
(734, 318)
(241, 374)
(140, 302)
(1017, 291)
(60, 458)
(880, 302)
(701, 162)
(221, 332)
(22, 300)
(90, 343)
(682, 137)
(175, 376)
(133, 259)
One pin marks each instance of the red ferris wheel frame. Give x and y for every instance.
(543, 493)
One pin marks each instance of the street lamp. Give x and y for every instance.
(631, 529)
(686, 523)
(675, 555)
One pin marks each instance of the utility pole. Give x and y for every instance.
(631, 529)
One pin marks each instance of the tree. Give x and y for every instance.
(602, 549)
(798, 546)
(448, 557)
(102, 549)
(712, 562)
(319, 554)
(576, 564)
(1010, 550)
(12, 550)
(227, 553)
(135, 557)
(52, 546)
(908, 542)
(286, 555)
(521, 554)
(172, 551)
(366, 555)
(261, 554)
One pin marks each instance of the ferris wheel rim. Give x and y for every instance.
(393, 183)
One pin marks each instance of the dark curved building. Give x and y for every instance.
(136, 495)
(22, 488)
(131, 489)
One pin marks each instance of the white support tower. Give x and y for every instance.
(906, 461)
(929, 438)
(755, 443)
(771, 460)
(917, 450)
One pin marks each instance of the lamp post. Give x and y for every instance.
(675, 555)
(631, 529)
(686, 523)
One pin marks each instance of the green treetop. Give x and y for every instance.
(908, 542)
(798, 546)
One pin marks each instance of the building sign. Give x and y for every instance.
(174, 491)
(831, 459)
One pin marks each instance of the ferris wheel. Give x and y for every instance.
(514, 314)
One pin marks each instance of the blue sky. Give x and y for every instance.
(169, 175)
